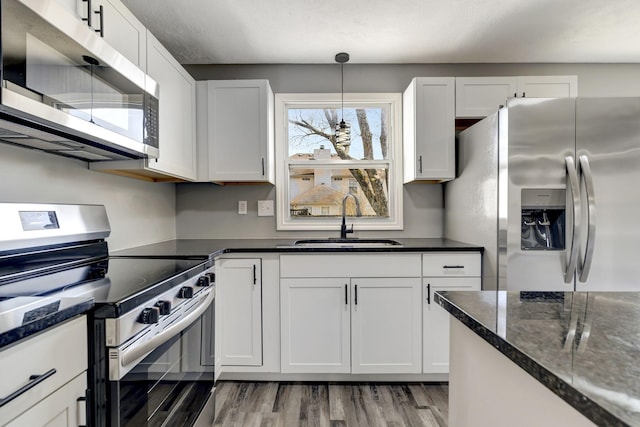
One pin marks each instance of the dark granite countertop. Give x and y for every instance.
(45, 322)
(199, 248)
(583, 346)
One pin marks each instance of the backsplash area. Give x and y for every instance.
(139, 212)
(211, 211)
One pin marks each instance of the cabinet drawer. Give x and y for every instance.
(63, 348)
(350, 265)
(451, 264)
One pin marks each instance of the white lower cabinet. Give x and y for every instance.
(435, 321)
(443, 271)
(239, 303)
(351, 325)
(315, 325)
(51, 369)
(385, 326)
(359, 324)
(66, 407)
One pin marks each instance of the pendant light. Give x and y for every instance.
(343, 130)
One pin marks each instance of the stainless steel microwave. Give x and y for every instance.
(67, 91)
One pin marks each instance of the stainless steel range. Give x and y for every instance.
(145, 332)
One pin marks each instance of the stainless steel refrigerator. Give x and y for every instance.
(551, 189)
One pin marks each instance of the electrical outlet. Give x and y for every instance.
(242, 207)
(265, 207)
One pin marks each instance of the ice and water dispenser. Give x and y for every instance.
(543, 219)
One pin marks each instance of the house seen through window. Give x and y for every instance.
(316, 173)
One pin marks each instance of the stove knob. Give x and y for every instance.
(164, 307)
(204, 280)
(149, 315)
(212, 277)
(185, 292)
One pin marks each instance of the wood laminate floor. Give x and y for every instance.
(266, 404)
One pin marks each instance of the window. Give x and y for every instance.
(314, 174)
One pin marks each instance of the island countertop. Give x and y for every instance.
(583, 346)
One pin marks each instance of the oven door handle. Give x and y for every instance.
(132, 354)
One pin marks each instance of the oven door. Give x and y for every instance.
(159, 390)
(163, 387)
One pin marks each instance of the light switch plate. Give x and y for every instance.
(265, 207)
(242, 207)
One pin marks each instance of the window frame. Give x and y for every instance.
(283, 101)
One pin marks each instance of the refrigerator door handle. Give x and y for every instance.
(587, 177)
(573, 186)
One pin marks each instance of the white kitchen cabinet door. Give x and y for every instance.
(177, 137)
(428, 113)
(116, 24)
(547, 86)
(385, 325)
(217, 337)
(315, 322)
(75, 7)
(478, 97)
(236, 131)
(66, 407)
(435, 328)
(239, 301)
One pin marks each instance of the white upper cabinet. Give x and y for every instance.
(547, 86)
(235, 131)
(177, 160)
(428, 114)
(115, 23)
(177, 130)
(478, 97)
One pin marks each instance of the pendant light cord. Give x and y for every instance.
(342, 90)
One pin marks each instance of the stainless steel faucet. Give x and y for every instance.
(343, 228)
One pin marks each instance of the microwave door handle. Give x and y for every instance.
(587, 177)
(131, 355)
(574, 188)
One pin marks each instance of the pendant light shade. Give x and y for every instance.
(343, 130)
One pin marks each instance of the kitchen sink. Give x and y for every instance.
(337, 242)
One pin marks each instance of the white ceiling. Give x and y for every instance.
(394, 31)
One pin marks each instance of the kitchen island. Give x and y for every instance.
(544, 358)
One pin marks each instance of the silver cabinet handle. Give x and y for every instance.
(429, 293)
(420, 164)
(572, 185)
(587, 258)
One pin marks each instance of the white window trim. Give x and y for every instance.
(283, 220)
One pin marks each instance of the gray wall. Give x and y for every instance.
(139, 212)
(211, 211)
(142, 212)
(207, 210)
(593, 79)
